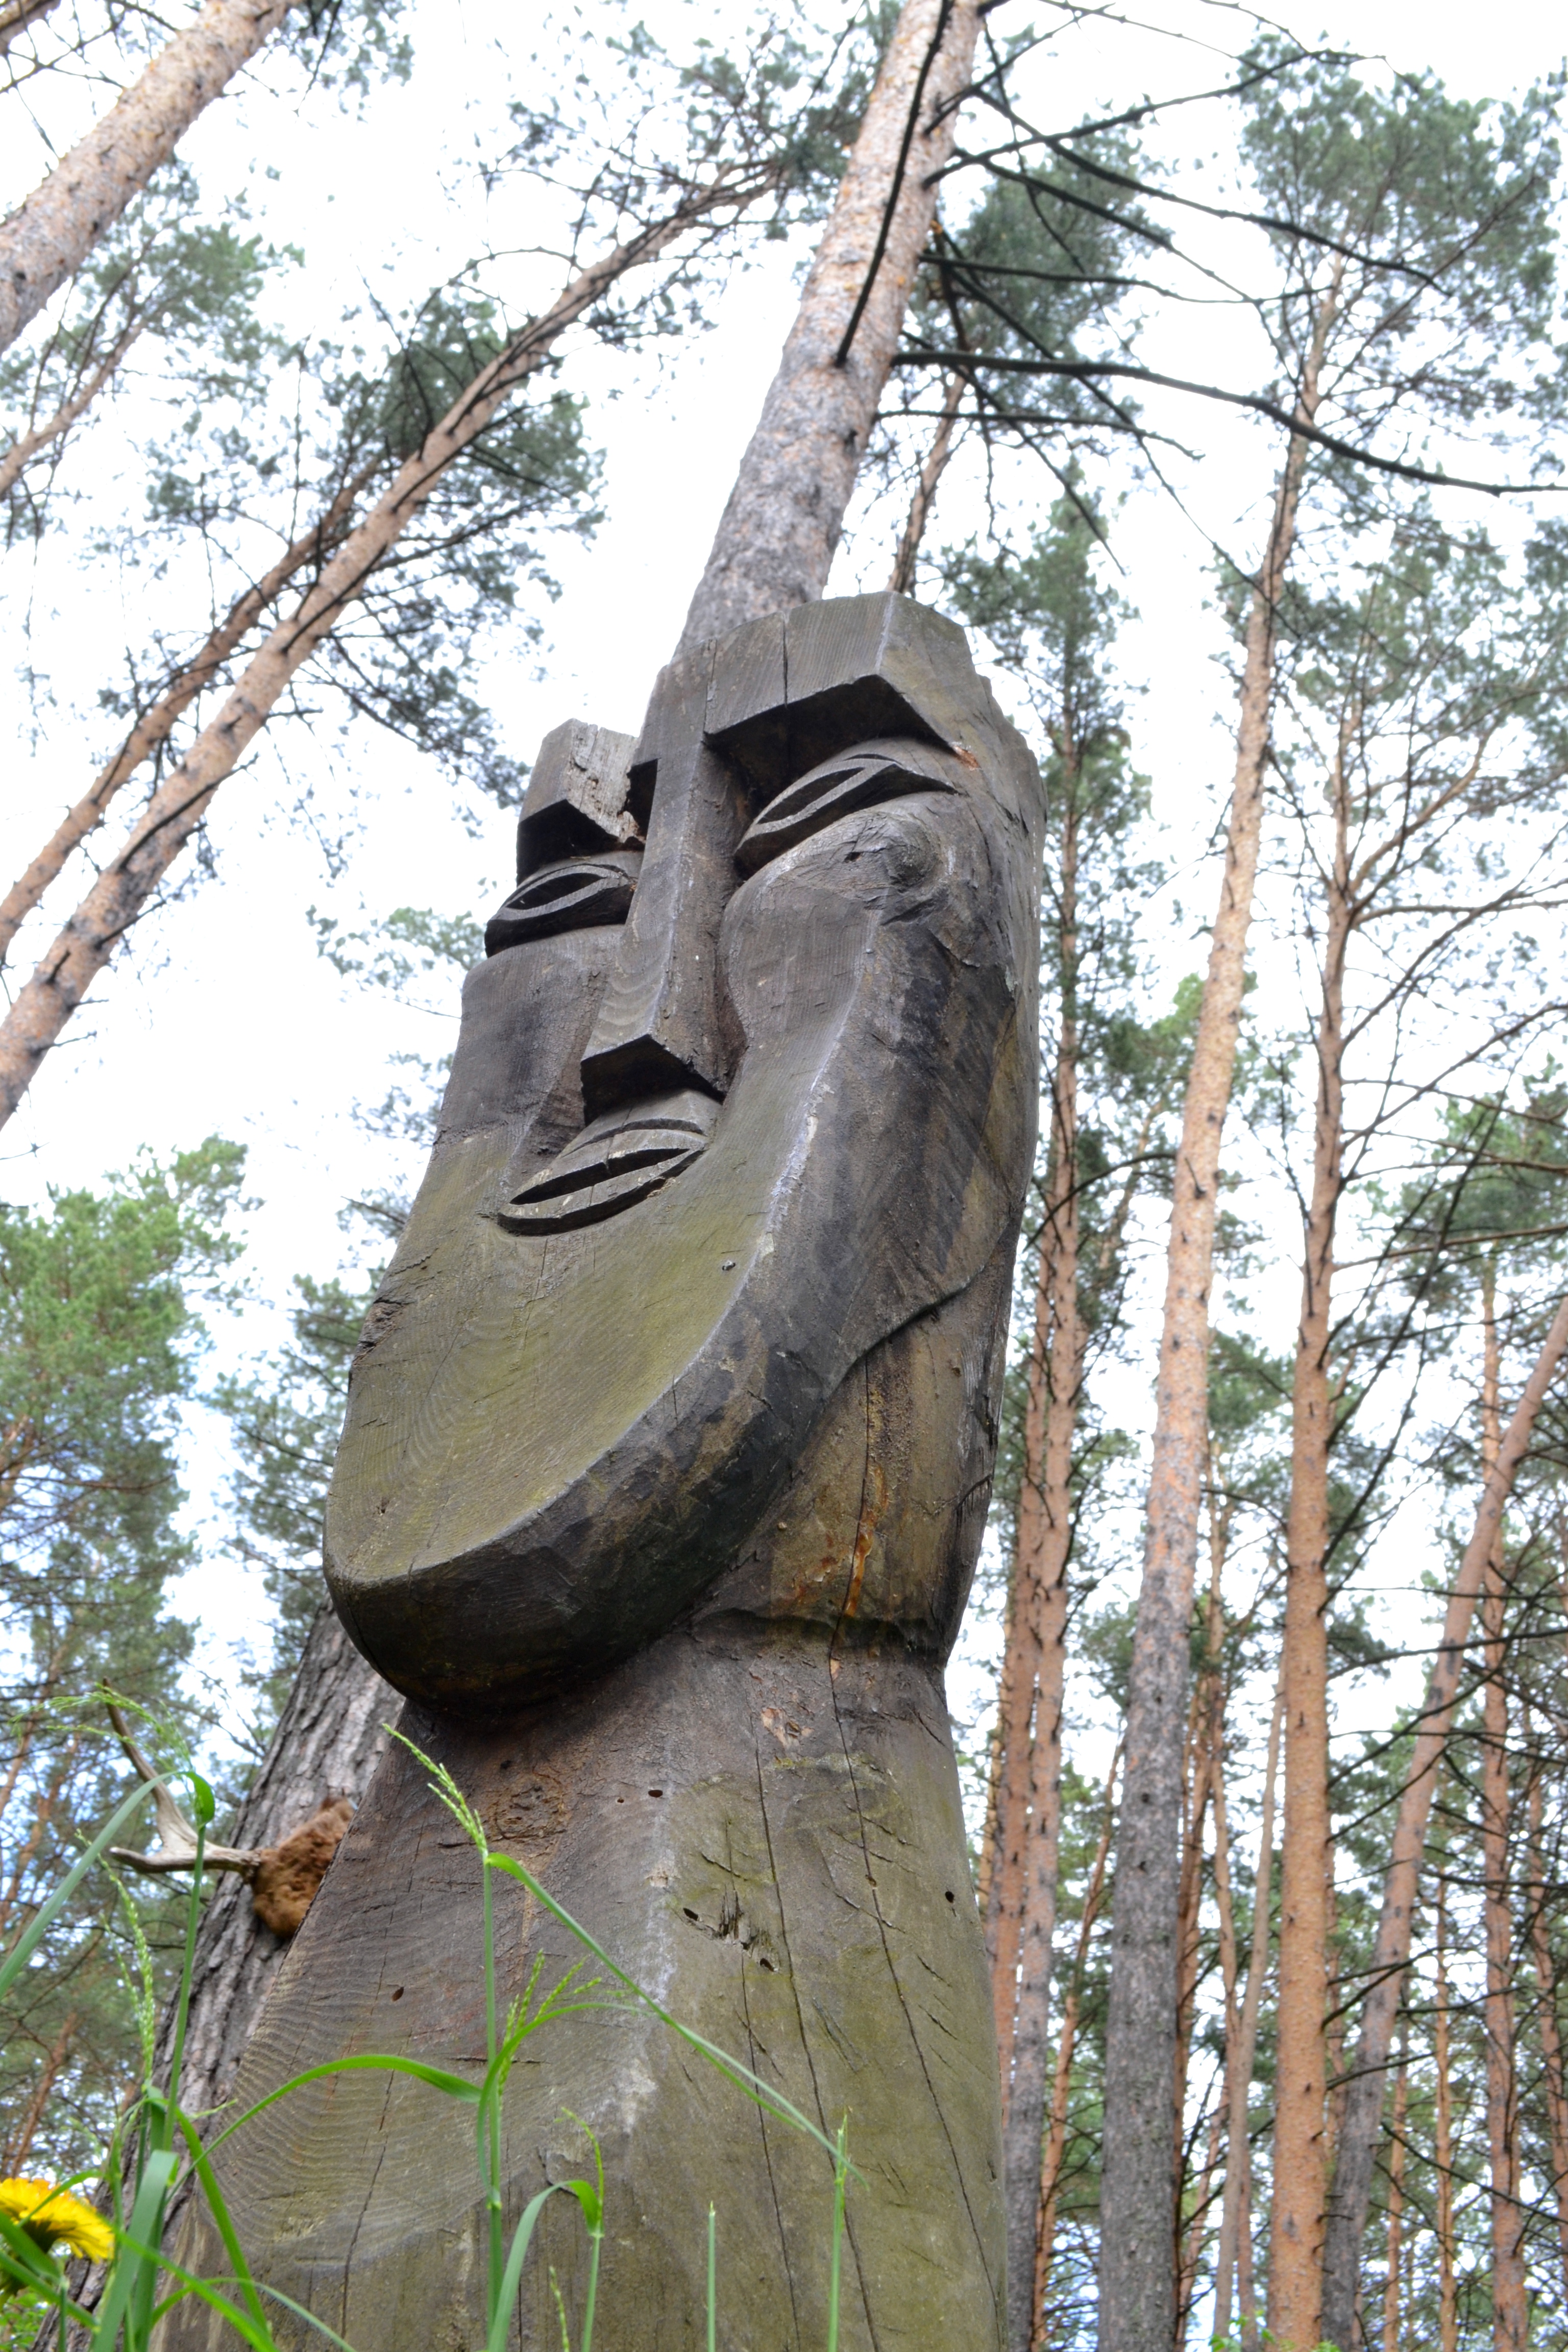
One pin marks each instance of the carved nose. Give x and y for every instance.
(658, 1022)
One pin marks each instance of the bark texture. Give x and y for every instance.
(1550, 2031)
(50, 235)
(327, 1742)
(16, 460)
(155, 726)
(128, 882)
(1352, 2193)
(1029, 1802)
(1137, 2275)
(902, 581)
(1241, 2047)
(1296, 2241)
(776, 539)
(1061, 2080)
(1447, 2298)
(1393, 2281)
(1511, 2315)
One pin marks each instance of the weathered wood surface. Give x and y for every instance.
(662, 1506)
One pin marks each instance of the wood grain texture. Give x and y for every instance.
(665, 1522)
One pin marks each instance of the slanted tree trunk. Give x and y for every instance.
(15, 461)
(15, 15)
(128, 882)
(157, 723)
(1510, 2306)
(775, 542)
(1029, 1793)
(902, 581)
(1137, 2186)
(1352, 2192)
(50, 235)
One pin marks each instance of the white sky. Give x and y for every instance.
(222, 1017)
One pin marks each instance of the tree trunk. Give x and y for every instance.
(1443, 2150)
(776, 539)
(1137, 2188)
(1395, 2211)
(1029, 1812)
(1391, 1954)
(902, 581)
(156, 724)
(128, 882)
(14, 2155)
(1550, 2031)
(48, 237)
(1061, 2083)
(15, 15)
(329, 1739)
(1509, 2307)
(16, 460)
(1296, 2237)
(1241, 2048)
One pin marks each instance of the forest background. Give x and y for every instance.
(227, 1018)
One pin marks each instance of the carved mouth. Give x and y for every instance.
(856, 778)
(613, 1163)
(571, 897)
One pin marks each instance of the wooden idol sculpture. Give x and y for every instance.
(666, 1459)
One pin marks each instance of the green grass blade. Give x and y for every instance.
(456, 2087)
(37, 1927)
(140, 2240)
(741, 2076)
(522, 2237)
(218, 2208)
(712, 2281)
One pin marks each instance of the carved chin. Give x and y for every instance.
(556, 1439)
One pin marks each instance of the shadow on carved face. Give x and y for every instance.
(654, 1131)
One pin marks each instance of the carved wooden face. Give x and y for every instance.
(729, 1110)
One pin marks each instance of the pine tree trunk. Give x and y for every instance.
(1509, 2308)
(903, 580)
(1137, 2188)
(327, 1742)
(1029, 1808)
(1352, 2194)
(1443, 2149)
(48, 237)
(776, 539)
(1240, 2020)
(131, 880)
(1295, 2235)
(1395, 2211)
(1549, 2028)
(1235, 2245)
(1061, 2082)
(155, 726)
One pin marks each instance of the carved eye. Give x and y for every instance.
(618, 1161)
(856, 778)
(571, 897)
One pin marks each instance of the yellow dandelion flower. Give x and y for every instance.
(52, 2216)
